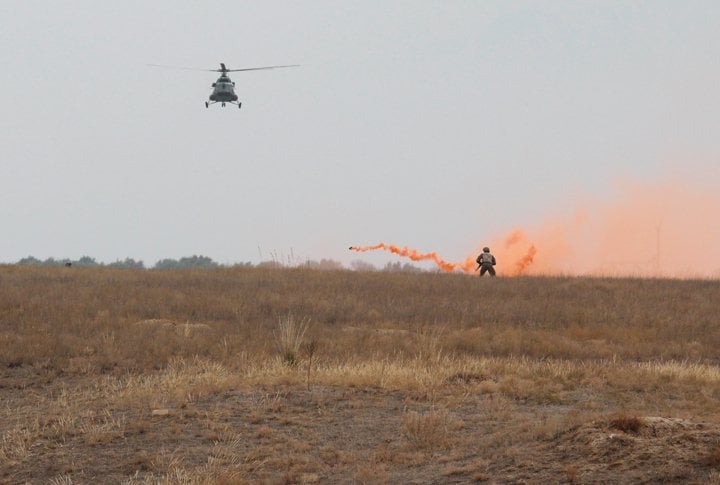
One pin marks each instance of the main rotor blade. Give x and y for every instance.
(256, 68)
(184, 68)
(220, 70)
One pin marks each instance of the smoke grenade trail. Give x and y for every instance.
(415, 255)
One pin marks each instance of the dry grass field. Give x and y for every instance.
(251, 375)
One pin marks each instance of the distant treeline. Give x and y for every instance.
(88, 262)
(196, 261)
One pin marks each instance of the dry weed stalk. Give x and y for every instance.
(309, 349)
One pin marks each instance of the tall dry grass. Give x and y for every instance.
(169, 337)
(112, 320)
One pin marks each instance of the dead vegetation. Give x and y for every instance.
(627, 423)
(301, 376)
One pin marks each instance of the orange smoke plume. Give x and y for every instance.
(517, 250)
(666, 229)
(525, 261)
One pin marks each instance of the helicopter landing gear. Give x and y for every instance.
(222, 103)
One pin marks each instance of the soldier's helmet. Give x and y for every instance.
(486, 249)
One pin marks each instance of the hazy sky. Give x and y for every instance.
(437, 124)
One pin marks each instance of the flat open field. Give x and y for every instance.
(253, 375)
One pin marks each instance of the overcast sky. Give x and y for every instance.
(436, 124)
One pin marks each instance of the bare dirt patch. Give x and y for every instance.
(335, 434)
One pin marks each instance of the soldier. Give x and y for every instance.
(486, 261)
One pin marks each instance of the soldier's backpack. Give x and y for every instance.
(484, 258)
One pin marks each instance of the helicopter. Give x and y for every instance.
(224, 88)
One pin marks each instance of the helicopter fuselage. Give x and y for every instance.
(223, 90)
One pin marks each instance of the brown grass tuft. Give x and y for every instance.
(627, 423)
(713, 458)
(289, 338)
(431, 430)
